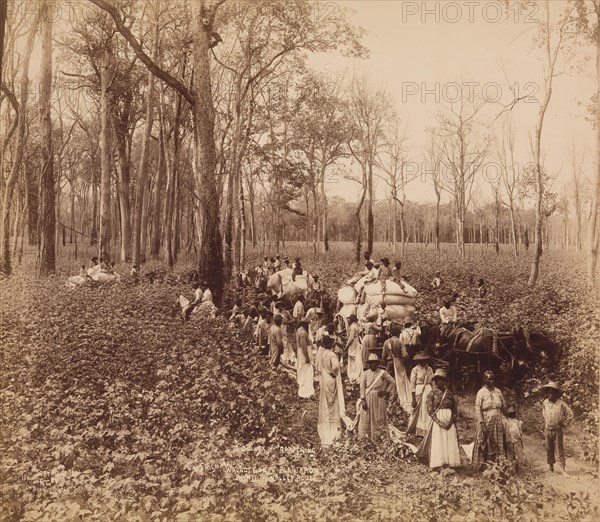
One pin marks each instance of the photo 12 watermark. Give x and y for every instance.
(492, 11)
(453, 92)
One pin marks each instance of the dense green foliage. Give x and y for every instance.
(115, 409)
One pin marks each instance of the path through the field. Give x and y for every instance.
(582, 479)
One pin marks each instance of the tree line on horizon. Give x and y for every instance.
(200, 126)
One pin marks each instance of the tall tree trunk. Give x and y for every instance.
(324, 212)
(315, 221)
(123, 195)
(210, 262)
(171, 177)
(72, 210)
(437, 222)
(142, 179)
(370, 221)
(21, 109)
(94, 231)
(157, 201)
(513, 227)
(357, 218)
(32, 196)
(593, 240)
(47, 217)
(105, 76)
(252, 213)
(394, 224)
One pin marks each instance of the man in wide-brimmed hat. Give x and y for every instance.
(410, 335)
(421, 378)
(557, 416)
(376, 386)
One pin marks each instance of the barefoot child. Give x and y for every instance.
(514, 437)
(557, 416)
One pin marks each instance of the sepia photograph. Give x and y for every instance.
(270, 260)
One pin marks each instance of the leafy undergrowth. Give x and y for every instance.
(559, 306)
(115, 409)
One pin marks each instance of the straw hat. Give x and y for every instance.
(421, 356)
(552, 385)
(510, 409)
(373, 357)
(440, 373)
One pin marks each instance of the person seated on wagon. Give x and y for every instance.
(297, 269)
(385, 273)
(367, 258)
(276, 263)
(286, 262)
(370, 277)
(94, 262)
(397, 276)
(448, 315)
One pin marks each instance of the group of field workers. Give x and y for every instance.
(382, 356)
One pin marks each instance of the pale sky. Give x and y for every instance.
(419, 49)
(415, 46)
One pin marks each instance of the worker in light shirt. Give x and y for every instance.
(448, 313)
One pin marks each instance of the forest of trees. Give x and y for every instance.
(150, 128)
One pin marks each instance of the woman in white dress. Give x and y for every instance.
(355, 362)
(441, 442)
(304, 363)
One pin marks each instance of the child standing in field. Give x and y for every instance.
(557, 416)
(513, 428)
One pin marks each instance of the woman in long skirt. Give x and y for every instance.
(275, 341)
(376, 386)
(395, 360)
(328, 421)
(490, 441)
(421, 378)
(441, 443)
(355, 363)
(304, 365)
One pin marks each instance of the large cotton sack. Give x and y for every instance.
(394, 312)
(347, 310)
(290, 287)
(347, 295)
(99, 276)
(359, 284)
(389, 299)
(391, 288)
(75, 281)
